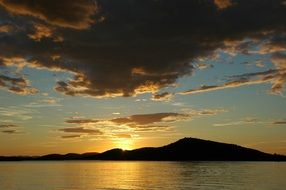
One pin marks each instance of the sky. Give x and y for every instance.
(91, 75)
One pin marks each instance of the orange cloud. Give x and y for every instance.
(223, 4)
(6, 28)
(64, 13)
(41, 31)
(20, 63)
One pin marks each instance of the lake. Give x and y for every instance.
(91, 175)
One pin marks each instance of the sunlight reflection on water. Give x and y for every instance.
(90, 175)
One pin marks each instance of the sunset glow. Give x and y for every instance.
(92, 75)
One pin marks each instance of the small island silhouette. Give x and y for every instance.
(186, 149)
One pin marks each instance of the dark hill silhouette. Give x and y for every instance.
(69, 156)
(187, 149)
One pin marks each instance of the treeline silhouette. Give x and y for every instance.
(186, 149)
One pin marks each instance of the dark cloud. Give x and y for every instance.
(204, 88)
(277, 76)
(70, 136)
(154, 122)
(8, 126)
(145, 119)
(242, 80)
(11, 131)
(141, 46)
(245, 76)
(65, 13)
(82, 130)
(279, 123)
(250, 121)
(165, 96)
(275, 45)
(81, 121)
(17, 85)
(279, 79)
(233, 84)
(121, 120)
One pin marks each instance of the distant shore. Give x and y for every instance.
(186, 149)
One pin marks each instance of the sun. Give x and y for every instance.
(125, 144)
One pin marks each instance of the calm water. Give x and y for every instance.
(90, 175)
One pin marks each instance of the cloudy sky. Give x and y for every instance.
(91, 75)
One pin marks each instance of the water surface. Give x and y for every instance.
(91, 175)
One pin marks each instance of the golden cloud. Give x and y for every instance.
(17, 85)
